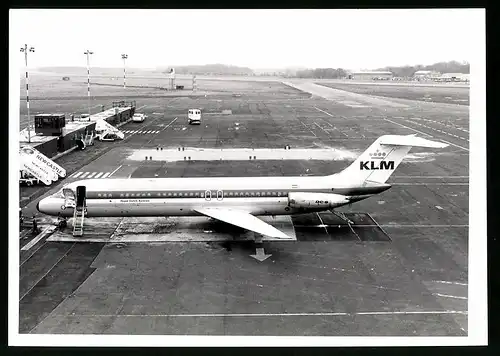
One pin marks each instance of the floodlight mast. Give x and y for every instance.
(124, 57)
(88, 53)
(25, 49)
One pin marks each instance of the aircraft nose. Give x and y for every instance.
(49, 206)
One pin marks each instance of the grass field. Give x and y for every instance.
(44, 87)
(439, 94)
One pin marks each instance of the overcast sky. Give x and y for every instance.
(351, 39)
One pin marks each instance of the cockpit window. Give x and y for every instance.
(60, 193)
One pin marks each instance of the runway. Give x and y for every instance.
(403, 271)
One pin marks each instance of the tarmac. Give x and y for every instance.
(400, 270)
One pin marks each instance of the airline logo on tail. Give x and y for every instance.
(372, 165)
(378, 155)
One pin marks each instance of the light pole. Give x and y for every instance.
(26, 50)
(124, 57)
(88, 53)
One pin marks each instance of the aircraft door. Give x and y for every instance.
(81, 192)
(208, 195)
(220, 195)
(69, 198)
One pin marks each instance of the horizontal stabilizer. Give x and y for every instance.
(244, 220)
(410, 140)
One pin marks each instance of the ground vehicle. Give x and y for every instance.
(194, 116)
(28, 179)
(108, 136)
(138, 117)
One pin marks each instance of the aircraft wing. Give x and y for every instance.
(244, 220)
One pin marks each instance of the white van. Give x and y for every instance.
(194, 116)
(138, 117)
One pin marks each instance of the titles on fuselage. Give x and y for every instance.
(372, 165)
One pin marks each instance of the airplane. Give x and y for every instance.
(238, 200)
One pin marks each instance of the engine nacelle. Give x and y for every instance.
(316, 200)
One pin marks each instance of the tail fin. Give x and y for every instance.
(382, 158)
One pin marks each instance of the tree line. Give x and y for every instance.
(401, 71)
(322, 73)
(441, 67)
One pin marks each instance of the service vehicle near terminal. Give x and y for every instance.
(194, 116)
(138, 117)
(26, 178)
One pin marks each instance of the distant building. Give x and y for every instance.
(426, 74)
(459, 77)
(370, 75)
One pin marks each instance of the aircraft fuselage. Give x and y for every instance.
(180, 196)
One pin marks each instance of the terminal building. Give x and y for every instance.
(55, 134)
(370, 75)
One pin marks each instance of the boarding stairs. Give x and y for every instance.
(89, 139)
(78, 219)
(71, 200)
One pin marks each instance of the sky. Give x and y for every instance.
(350, 39)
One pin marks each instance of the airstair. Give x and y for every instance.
(89, 139)
(80, 209)
(78, 219)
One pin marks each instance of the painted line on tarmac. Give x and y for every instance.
(171, 122)
(410, 128)
(454, 144)
(115, 171)
(430, 177)
(449, 296)
(421, 225)
(247, 315)
(46, 273)
(37, 238)
(382, 225)
(449, 282)
(315, 123)
(323, 111)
